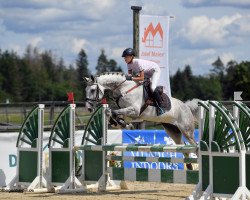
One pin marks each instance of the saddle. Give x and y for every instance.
(163, 100)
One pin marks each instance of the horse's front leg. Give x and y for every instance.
(118, 117)
(129, 111)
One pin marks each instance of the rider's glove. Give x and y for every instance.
(128, 77)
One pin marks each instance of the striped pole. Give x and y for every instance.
(152, 148)
(154, 175)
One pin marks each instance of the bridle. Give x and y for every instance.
(93, 102)
(96, 99)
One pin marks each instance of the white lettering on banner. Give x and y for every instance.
(146, 165)
(152, 154)
(172, 154)
(136, 165)
(155, 165)
(133, 153)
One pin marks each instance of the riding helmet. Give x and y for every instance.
(128, 52)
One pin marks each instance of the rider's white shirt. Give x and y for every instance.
(139, 65)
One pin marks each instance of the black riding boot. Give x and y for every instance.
(158, 100)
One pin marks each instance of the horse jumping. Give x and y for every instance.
(180, 119)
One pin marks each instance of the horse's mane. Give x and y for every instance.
(108, 78)
(112, 73)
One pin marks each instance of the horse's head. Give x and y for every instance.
(94, 92)
(113, 81)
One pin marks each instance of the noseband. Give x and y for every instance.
(95, 100)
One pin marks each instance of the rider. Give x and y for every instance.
(144, 69)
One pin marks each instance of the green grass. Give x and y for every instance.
(17, 118)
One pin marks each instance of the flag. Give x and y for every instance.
(70, 97)
(104, 101)
(153, 45)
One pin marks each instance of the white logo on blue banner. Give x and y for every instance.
(152, 137)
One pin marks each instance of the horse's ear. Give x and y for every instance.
(86, 79)
(92, 78)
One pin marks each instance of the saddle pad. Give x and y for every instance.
(166, 102)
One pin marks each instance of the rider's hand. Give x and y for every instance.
(128, 77)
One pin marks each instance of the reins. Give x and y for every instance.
(123, 94)
(136, 86)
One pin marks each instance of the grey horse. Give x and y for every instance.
(180, 119)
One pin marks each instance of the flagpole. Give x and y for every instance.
(136, 13)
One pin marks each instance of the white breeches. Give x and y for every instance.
(155, 78)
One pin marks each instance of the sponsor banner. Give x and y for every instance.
(8, 157)
(8, 151)
(152, 137)
(153, 45)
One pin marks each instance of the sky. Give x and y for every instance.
(200, 31)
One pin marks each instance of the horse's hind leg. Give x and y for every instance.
(176, 134)
(189, 135)
(173, 132)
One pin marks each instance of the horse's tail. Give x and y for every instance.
(193, 105)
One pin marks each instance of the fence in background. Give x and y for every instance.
(12, 115)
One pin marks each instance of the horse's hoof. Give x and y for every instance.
(130, 127)
(121, 122)
(189, 166)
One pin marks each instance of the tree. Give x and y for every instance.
(187, 86)
(27, 80)
(82, 71)
(228, 84)
(207, 88)
(218, 69)
(105, 65)
(113, 66)
(182, 84)
(9, 71)
(237, 78)
(218, 66)
(102, 63)
(48, 64)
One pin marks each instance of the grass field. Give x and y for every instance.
(15, 116)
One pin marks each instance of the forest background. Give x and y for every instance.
(41, 76)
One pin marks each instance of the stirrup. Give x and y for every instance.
(160, 111)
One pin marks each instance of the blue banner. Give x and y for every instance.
(152, 137)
